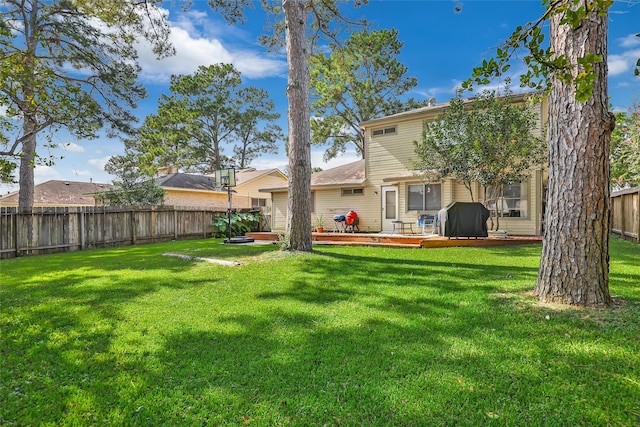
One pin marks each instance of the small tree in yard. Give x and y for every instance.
(134, 187)
(491, 142)
(625, 149)
(445, 149)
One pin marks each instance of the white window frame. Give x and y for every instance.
(383, 131)
(515, 205)
(348, 192)
(424, 197)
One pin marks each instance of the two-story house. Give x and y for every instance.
(385, 187)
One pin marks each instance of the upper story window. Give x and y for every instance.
(423, 197)
(384, 131)
(353, 191)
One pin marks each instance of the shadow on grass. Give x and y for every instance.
(294, 368)
(344, 337)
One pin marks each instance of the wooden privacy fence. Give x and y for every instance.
(625, 213)
(59, 229)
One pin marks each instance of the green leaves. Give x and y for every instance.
(72, 65)
(206, 122)
(625, 149)
(241, 223)
(636, 70)
(358, 81)
(489, 140)
(542, 62)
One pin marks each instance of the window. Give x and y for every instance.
(258, 203)
(384, 131)
(423, 197)
(514, 203)
(353, 191)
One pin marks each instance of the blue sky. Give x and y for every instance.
(441, 47)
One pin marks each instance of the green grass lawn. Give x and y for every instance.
(342, 336)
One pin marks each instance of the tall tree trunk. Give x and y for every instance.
(298, 114)
(574, 268)
(30, 123)
(27, 165)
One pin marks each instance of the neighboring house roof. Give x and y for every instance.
(430, 110)
(341, 176)
(187, 181)
(61, 193)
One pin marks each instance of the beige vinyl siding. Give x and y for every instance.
(252, 188)
(390, 155)
(209, 199)
(331, 202)
(531, 224)
(279, 211)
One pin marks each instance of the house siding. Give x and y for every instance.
(394, 155)
(331, 202)
(208, 199)
(279, 208)
(252, 188)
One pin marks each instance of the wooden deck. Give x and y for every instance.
(403, 241)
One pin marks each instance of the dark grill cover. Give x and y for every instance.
(466, 220)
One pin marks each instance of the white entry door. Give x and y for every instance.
(389, 207)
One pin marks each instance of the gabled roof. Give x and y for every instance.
(244, 176)
(341, 176)
(187, 181)
(62, 193)
(432, 110)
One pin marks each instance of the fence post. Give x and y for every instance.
(637, 224)
(204, 224)
(132, 225)
(175, 223)
(15, 230)
(81, 231)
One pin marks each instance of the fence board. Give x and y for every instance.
(48, 230)
(625, 213)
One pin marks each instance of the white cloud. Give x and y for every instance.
(621, 63)
(98, 164)
(270, 163)
(193, 50)
(79, 173)
(70, 146)
(282, 162)
(630, 41)
(45, 173)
